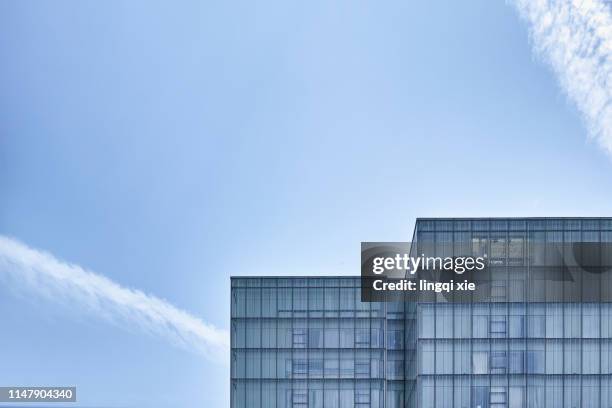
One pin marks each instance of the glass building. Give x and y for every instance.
(311, 343)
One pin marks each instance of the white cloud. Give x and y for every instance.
(81, 289)
(575, 38)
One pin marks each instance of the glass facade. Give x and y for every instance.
(311, 342)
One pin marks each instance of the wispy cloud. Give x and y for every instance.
(575, 38)
(45, 275)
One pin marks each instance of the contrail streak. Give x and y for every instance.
(575, 38)
(81, 289)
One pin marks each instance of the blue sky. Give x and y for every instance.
(169, 145)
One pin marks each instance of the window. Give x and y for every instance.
(499, 290)
(376, 338)
(535, 394)
(300, 368)
(284, 302)
(238, 364)
(315, 399)
(331, 338)
(498, 326)
(537, 326)
(535, 362)
(571, 357)
(461, 394)
(444, 321)
(253, 364)
(395, 339)
(268, 302)
(606, 359)
(480, 362)
(315, 302)
(480, 328)
(347, 299)
(498, 397)
(517, 327)
(331, 368)
(554, 392)
(376, 367)
(427, 356)
(498, 249)
(499, 362)
(590, 321)
(253, 302)
(268, 334)
(362, 398)
(253, 333)
(299, 338)
(332, 302)
(362, 338)
(284, 334)
(300, 299)
(347, 368)
(346, 338)
(331, 398)
(516, 397)
(444, 393)
(427, 392)
(554, 357)
(426, 321)
(463, 363)
(268, 364)
(554, 321)
(444, 357)
(590, 357)
(347, 398)
(462, 321)
(300, 398)
(283, 364)
(315, 338)
(479, 246)
(516, 363)
(315, 368)
(362, 368)
(480, 397)
(268, 394)
(572, 321)
(238, 302)
(395, 369)
(537, 253)
(238, 334)
(516, 250)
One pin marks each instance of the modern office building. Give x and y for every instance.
(310, 342)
